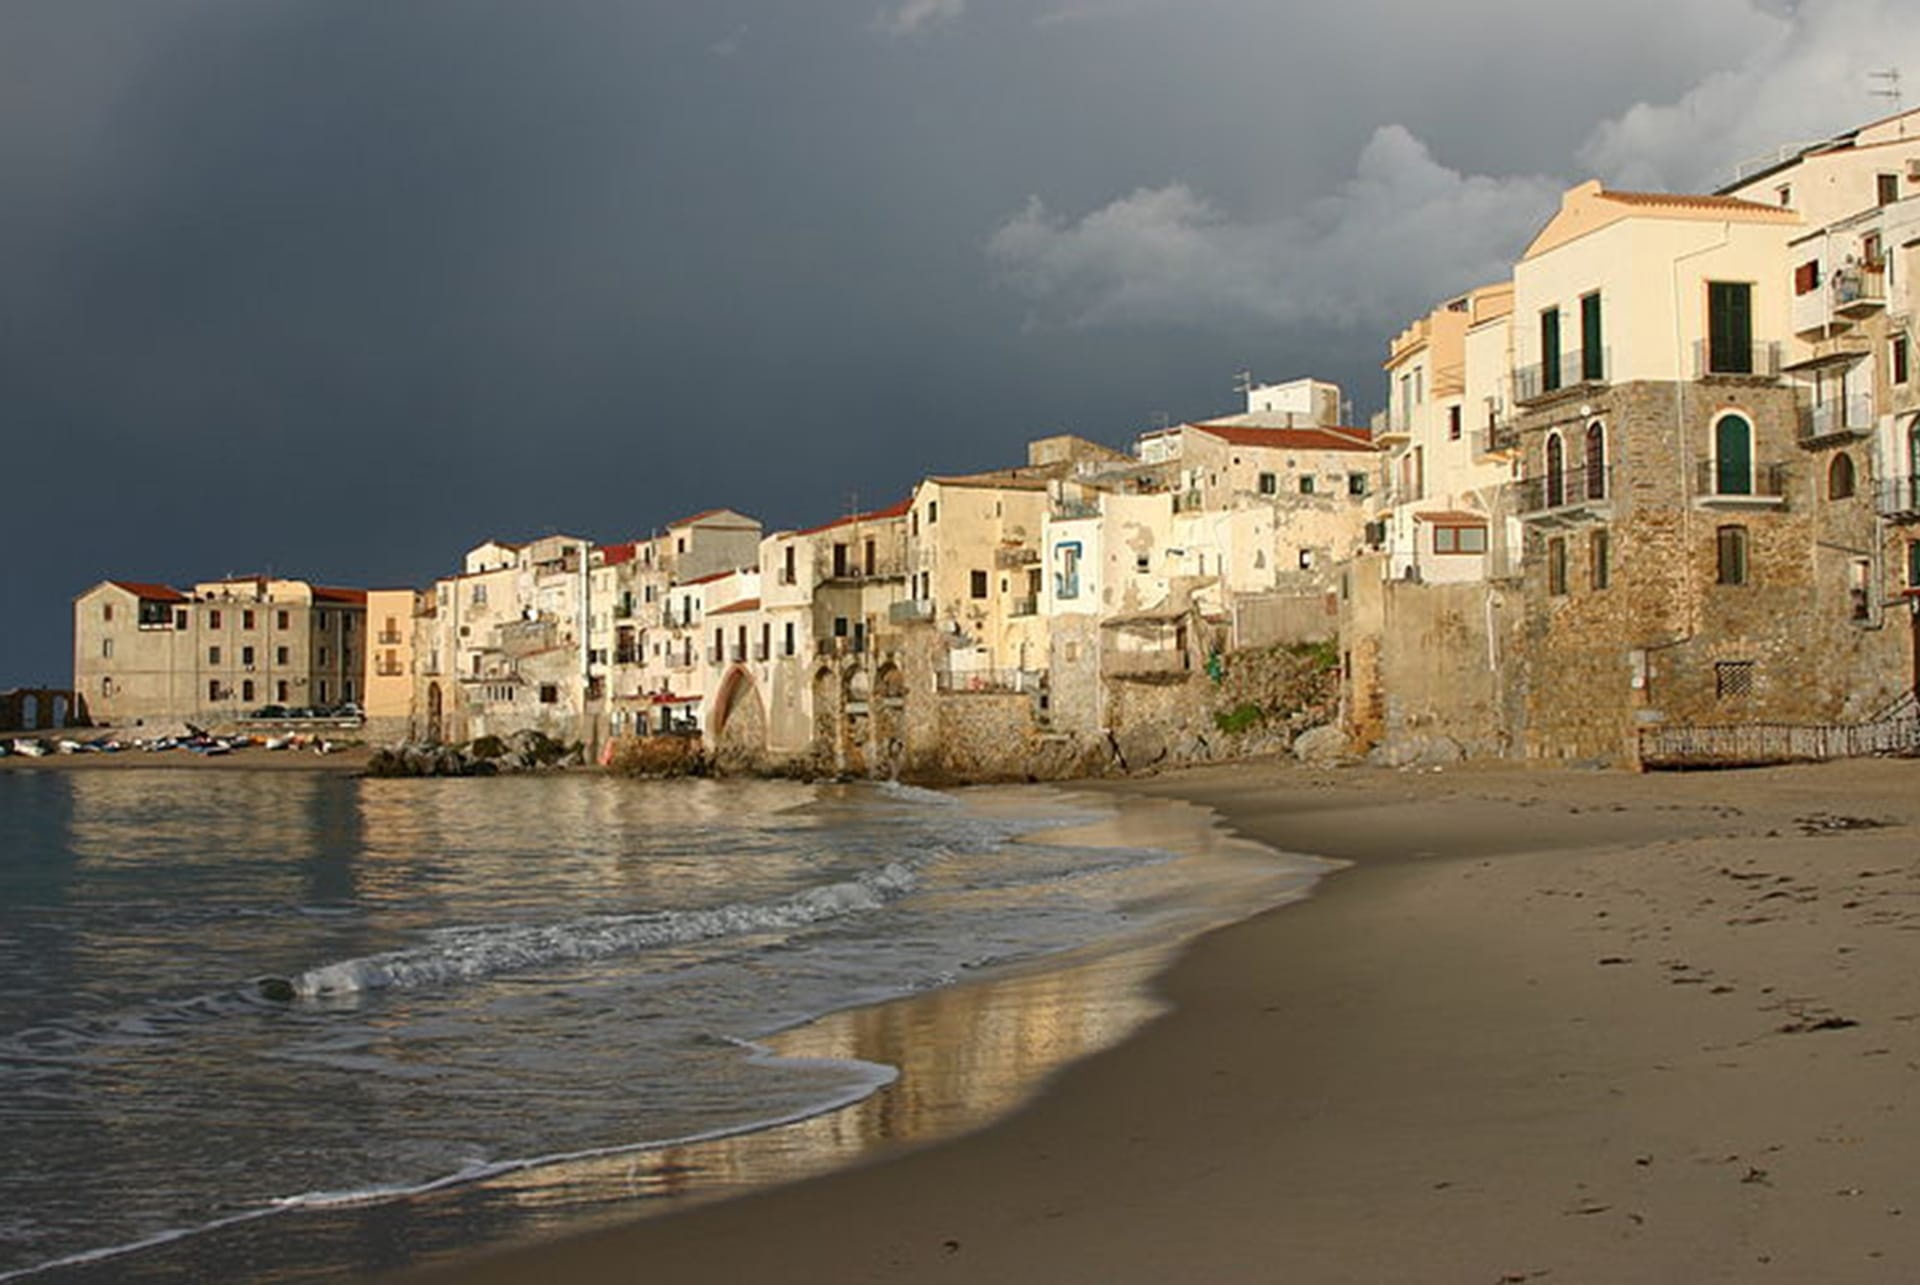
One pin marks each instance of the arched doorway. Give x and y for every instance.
(1732, 456)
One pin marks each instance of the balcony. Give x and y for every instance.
(1576, 495)
(716, 655)
(1497, 438)
(1582, 368)
(1836, 419)
(389, 638)
(387, 669)
(1735, 361)
(1859, 290)
(1012, 559)
(849, 572)
(827, 648)
(1072, 510)
(910, 611)
(1898, 499)
(1168, 662)
(958, 681)
(1024, 607)
(1186, 502)
(760, 651)
(1764, 486)
(737, 653)
(623, 611)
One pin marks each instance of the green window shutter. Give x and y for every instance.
(1733, 456)
(1729, 328)
(1593, 365)
(1550, 349)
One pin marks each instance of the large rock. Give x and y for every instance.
(1321, 746)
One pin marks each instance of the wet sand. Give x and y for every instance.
(1561, 1026)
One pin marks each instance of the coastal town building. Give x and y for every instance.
(222, 650)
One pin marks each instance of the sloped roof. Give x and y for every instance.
(1591, 207)
(898, 510)
(325, 593)
(736, 608)
(150, 591)
(612, 555)
(1291, 439)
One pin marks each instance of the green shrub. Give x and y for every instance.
(1241, 717)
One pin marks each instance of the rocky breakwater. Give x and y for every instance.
(525, 751)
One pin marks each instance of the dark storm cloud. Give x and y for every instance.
(336, 287)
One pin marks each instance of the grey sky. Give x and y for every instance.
(337, 287)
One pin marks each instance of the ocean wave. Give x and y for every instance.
(475, 953)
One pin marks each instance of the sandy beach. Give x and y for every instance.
(1549, 1025)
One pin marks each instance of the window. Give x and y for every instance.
(839, 559)
(280, 691)
(1269, 484)
(1840, 481)
(1806, 277)
(1306, 484)
(1897, 359)
(1066, 581)
(213, 618)
(213, 655)
(322, 621)
(106, 649)
(871, 556)
(479, 596)
(1732, 678)
(346, 625)
(787, 639)
(933, 512)
(1600, 558)
(1557, 565)
(1730, 546)
(1459, 539)
(213, 689)
(1732, 456)
(1453, 423)
(246, 690)
(246, 620)
(1306, 559)
(1356, 484)
(859, 637)
(1593, 353)
(281, 655)
(1785, 193)
(1859, 584)
(326, 655)
(1556, 471)
(180, 619)
(979, 584)
(1596, 461)
(1913, 564)
(280, 620)
(1886, 188)
(839, 626)
(106, 686)
(106, 612)
(1729, 328)
(549, 693)
(246, 656)
(1549, 350)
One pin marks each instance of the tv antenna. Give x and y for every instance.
(1243, 382)
(1889, 88)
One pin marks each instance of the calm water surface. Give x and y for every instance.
(509, 997)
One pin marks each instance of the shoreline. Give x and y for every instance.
(1550, 1022)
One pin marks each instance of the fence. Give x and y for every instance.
(1895, 730)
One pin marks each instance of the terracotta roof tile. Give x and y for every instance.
(736, 608)
(151, 592)
(1292, 439)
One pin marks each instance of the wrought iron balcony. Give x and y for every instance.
(1898, 498)
(1717, 485)
(1735, 361)
(1859, 290)
(1578, 369)
(1841, 417)
(1571, 489)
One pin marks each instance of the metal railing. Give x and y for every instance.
(989, 680)
(1895, 730)
(1898, 497)
(1763, 481)
(1858, 289)
(909, 611)
(1024, 607)
(1571, 487)
(1582, 366)
(1735, 361)
(1008, 559)
(1501, 436)
(1853, 414)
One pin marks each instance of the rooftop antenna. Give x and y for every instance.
(1889, 90)
(1243, 382)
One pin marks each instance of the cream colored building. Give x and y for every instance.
(389, 681)
(224, 650)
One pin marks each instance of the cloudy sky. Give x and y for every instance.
(336, 288)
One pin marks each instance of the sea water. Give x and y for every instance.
(233, 1000)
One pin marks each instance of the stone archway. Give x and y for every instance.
(739, 726)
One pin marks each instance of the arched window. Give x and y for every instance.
(1840, 477)
(1556, 472)
(1732, 456)
(1596, 462)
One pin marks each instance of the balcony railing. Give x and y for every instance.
(1496, 438)
(1761, 482)
(1069, 510)
(385, 669)
(1859, 290)
(1898, 498)
(737, 653)
(1735, 361)
(910, 611)
(841, 646)
(679, 620)
(1023, 607)
(389, 638)
(989, 680)
(1843, 416)
(1577, 486)
(1009, 559)
(882, 569)
(760, 651)
(1574, 369)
